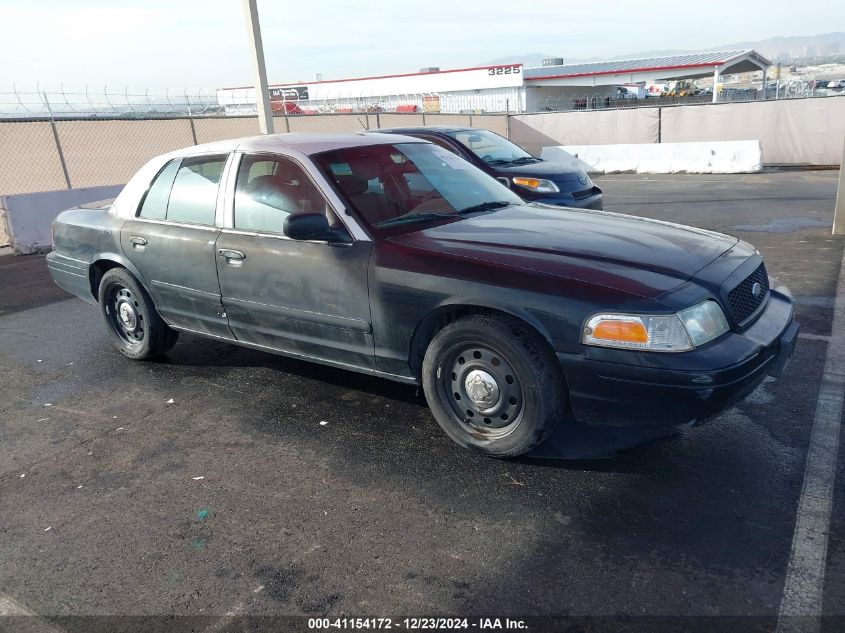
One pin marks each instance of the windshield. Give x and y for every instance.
(407, 183)
(490, 147)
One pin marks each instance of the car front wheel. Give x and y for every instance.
(493, 384)
(134, 326)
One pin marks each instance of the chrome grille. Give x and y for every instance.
(742, 301)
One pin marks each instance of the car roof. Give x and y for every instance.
(305, 143)
(442, 129)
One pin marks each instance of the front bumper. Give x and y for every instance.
(623, 388)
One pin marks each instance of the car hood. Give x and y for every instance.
(558, 172)
(635, 255)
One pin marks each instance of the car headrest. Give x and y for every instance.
(270, 191)
(365, 167)
(263, 184)
(353, 186)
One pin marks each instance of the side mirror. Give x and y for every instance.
(313, 226)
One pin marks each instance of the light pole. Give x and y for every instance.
(262, 91)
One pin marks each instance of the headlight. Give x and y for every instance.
(540, 185)
(704, 322)
(679, 332)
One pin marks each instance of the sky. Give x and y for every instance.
(180, 44)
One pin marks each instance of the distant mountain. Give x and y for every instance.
(773, 48)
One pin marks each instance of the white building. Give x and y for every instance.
(494, 88)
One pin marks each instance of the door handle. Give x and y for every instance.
(233, 258)
(138, 242)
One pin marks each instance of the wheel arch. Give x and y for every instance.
(441, 316)
(105, 262)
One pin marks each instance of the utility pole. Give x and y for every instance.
(262, 91)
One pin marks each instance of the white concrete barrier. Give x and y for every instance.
(712, 157)
(27, 218)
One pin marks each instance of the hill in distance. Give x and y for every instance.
(773, 47)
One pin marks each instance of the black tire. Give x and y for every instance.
(528, 395)
(134, 326)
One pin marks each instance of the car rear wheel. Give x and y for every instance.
(134, 326)
(493, 384)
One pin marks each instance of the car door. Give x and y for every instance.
(304, 298)
(172, 239)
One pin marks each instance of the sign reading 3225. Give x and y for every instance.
(504, 70)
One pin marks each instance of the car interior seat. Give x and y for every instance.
(373, 205)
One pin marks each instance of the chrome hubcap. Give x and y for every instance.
(482, 389)
(127, 316)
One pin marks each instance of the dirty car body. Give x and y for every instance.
(387, 255)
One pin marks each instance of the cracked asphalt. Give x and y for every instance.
(221, 480)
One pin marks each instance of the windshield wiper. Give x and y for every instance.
(443, 215)
(485, 206)
(417, 217)
(522, 160)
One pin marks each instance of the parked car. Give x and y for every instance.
(389, 255)
(531, 178)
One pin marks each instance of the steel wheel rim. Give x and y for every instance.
(481, 389)
(123, 310)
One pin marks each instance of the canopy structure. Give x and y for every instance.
(652, 69)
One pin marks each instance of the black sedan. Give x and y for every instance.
(531, 178)
(388, 255)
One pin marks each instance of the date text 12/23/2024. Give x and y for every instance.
(430, 624)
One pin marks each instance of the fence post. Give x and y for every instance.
(287, 123)
(839, 211)
(57, 141)
(378, 120)
(191, 120)
(423, 113)
(659, 124)
(507, 119)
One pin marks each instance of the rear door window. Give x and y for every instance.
(154, 206)
(193, 198)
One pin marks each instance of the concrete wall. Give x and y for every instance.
(715, 157)
(792, 132)
(536, 131)
(28, 217)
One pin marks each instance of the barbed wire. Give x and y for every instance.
(204, 102)
(107, 102)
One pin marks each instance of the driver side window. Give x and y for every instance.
(269, 189)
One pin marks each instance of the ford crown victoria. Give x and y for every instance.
(389, 255)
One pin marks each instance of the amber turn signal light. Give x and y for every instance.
(623, 331)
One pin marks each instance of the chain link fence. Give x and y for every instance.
(45, 147)
(47, 154)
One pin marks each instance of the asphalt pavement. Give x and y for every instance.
(220, 482)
